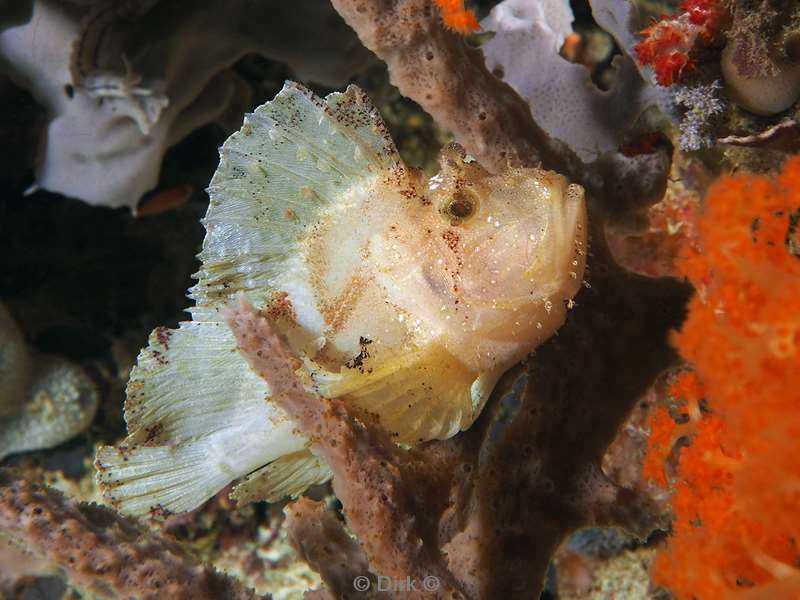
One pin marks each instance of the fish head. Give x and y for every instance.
(498, 260)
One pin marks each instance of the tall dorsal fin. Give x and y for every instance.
(197, 416)
(294, 157)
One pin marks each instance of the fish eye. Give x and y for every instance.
(461, 206)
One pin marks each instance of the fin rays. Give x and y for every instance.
(289, 475)
(198, 416)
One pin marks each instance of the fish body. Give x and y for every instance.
(406, 297)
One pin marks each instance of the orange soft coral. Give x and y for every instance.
(456, 17)
(662, 437)
(736, 524)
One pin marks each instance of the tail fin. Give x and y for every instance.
(198, 418)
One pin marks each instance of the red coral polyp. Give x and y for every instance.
(667, 44)
(703, 13)
(669, 68)
(457, 17)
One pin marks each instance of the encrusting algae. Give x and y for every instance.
(406, 298)
(45, 400)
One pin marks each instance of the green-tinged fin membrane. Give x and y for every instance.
(290, 475)
(198, 416)
(292, 159)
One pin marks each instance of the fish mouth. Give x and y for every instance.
(562, 248)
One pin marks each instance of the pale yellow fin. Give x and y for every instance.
(290, 475)
(418, 396)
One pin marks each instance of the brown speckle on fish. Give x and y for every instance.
(407, 297)
(163, 334)
(280, 308)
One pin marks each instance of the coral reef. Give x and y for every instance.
(101, 552)
(562, 97)
(113, 78)
(414, 339)
(602, 563)
(42, 404)
(735, 496)
(618, 445)
(456, 16)
(667, 44)
(434, 493)
(318, 536)
(451, 81)
(433, 66)
(761, 70)
(731, 66)
(244, 542)
(702, 107)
